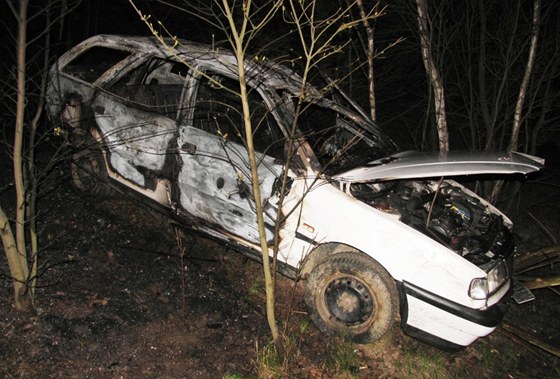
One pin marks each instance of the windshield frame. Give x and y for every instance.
(378, 144)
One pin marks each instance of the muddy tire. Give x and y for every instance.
(88, 170)
(353, 296)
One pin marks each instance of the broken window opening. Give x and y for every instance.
(218, 111)
(155, 86)
(94, 62)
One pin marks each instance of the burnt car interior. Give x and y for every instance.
(155, 86)
(94, 62)
(218, 111)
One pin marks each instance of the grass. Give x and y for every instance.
(257, 287)
(424, 362)
(269, 364)
(343, 358)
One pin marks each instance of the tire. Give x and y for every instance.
(88, 170)
(351, 295)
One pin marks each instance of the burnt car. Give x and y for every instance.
(373, 233)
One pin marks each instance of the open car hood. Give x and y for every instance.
(413, 164)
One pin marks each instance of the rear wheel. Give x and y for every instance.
(352, 295)
(88, 170)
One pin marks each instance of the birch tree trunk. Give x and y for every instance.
(433, 76)
(21, 275)
(518, 114)
(517, 117)
(239, 45)
(370, 55)
(19, 232)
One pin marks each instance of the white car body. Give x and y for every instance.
(164, 152)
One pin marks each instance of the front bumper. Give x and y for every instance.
(444, 323)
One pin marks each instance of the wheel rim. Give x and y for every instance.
(349, 301)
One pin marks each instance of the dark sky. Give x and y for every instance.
(119, 17)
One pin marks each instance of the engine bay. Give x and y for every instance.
(445, 212)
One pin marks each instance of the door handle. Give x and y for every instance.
(188, 148)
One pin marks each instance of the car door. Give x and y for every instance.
(137, 116)
(215, 177)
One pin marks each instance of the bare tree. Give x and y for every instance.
(434, 76)
(523, 89)
(497, 43)
(500, 100)
(21, 244)
(370, 55)
(240, 37)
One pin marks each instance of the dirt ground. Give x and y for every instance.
(118, 299)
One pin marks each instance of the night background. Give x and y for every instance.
(118, 299)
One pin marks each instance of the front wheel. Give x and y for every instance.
(352, 295)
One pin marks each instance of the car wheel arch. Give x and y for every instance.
(325, 251)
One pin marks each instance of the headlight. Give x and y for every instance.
(482, 288)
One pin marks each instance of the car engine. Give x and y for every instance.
(444, 212)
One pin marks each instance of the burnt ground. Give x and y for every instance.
(117, 299)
